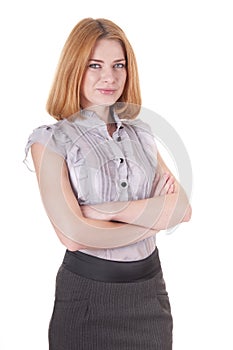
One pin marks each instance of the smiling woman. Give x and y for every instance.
(104, 80)
(107, 192)
(75, 59)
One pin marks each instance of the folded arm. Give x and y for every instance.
(167, 208)
(75, 230)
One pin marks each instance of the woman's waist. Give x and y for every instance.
(133, 252)
(102, 270)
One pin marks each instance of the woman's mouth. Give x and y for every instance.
(107, 91)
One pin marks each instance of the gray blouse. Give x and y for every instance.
(105, 168)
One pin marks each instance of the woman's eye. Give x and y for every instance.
(119, 65)
(94, 65)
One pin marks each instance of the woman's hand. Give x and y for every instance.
(163, 184)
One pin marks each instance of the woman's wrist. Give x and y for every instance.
(96, 212)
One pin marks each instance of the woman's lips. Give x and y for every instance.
(107, 91)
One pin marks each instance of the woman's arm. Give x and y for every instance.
(168, 207)
(73, 229)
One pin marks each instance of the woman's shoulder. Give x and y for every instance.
(142, 131)
(47, 130)
(141, 128)
(138, 124)
(56, 136)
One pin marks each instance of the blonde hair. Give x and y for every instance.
(64, 96)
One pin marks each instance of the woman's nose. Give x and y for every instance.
(108, 75)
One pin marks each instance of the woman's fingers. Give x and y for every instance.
(168, 187)
(164, 184)
(160, 184)
(171, 189)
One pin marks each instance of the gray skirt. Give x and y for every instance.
(97, 315)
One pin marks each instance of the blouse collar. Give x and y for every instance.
(90, 119)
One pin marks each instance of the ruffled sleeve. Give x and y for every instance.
(51, 136)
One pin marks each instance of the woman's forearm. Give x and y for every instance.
(156, 213)
(95, 234)
(66, 215)
(134, 222)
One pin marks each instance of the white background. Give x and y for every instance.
(184, 52)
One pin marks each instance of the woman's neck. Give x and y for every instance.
(103, 113)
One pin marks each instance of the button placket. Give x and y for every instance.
(121, 163)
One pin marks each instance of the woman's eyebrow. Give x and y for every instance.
(101, 61)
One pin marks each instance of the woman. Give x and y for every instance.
(107, 193)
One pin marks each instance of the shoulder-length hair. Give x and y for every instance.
(64, 96)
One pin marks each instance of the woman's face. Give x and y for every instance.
(105, 77)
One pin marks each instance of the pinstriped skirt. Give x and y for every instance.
(96, 315)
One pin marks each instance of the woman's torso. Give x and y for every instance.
(104, 168)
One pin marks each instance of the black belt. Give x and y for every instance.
(99, 269)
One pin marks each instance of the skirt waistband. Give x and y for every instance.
(104, 270)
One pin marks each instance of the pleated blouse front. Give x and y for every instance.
(104, 168)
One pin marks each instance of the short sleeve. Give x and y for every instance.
(51, 136)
